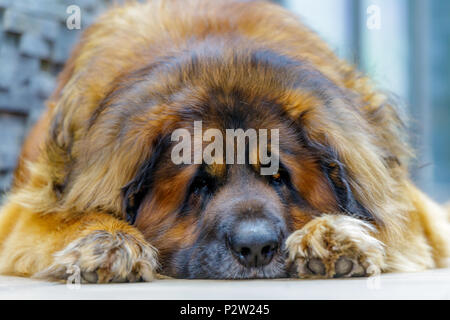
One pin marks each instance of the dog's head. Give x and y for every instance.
(226, 219)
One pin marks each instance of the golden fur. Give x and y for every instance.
(69, 179)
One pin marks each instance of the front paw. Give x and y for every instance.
(102, 257)
(335, 246)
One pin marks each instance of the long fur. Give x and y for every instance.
(86, 156)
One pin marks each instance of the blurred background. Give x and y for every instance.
(404, 45)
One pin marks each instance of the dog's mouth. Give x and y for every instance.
(215, 261)
(276, 269)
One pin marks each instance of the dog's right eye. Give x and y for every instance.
(200, 191)
(202, 184)
(199, 185)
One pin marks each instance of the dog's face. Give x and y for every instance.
(222, 220)
(228, 220)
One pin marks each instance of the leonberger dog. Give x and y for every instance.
(96, 189)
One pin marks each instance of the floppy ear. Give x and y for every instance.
(134, 192)
(337, 176)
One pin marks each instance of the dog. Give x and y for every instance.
(96, 189)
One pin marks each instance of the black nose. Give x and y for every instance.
(254, 242)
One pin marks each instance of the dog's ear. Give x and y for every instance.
(134, 192)
(335, 172)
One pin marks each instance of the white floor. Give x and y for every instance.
(434, 284)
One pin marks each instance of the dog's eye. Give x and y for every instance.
(276, 178)
(202, 184)
(280, 178)
(200, 191)
(198, 185)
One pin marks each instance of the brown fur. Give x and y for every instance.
(79, 156)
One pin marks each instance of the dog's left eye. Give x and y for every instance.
(279, 178)
(276, 178)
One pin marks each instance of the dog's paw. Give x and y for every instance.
(102, 257)
(335, 246)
